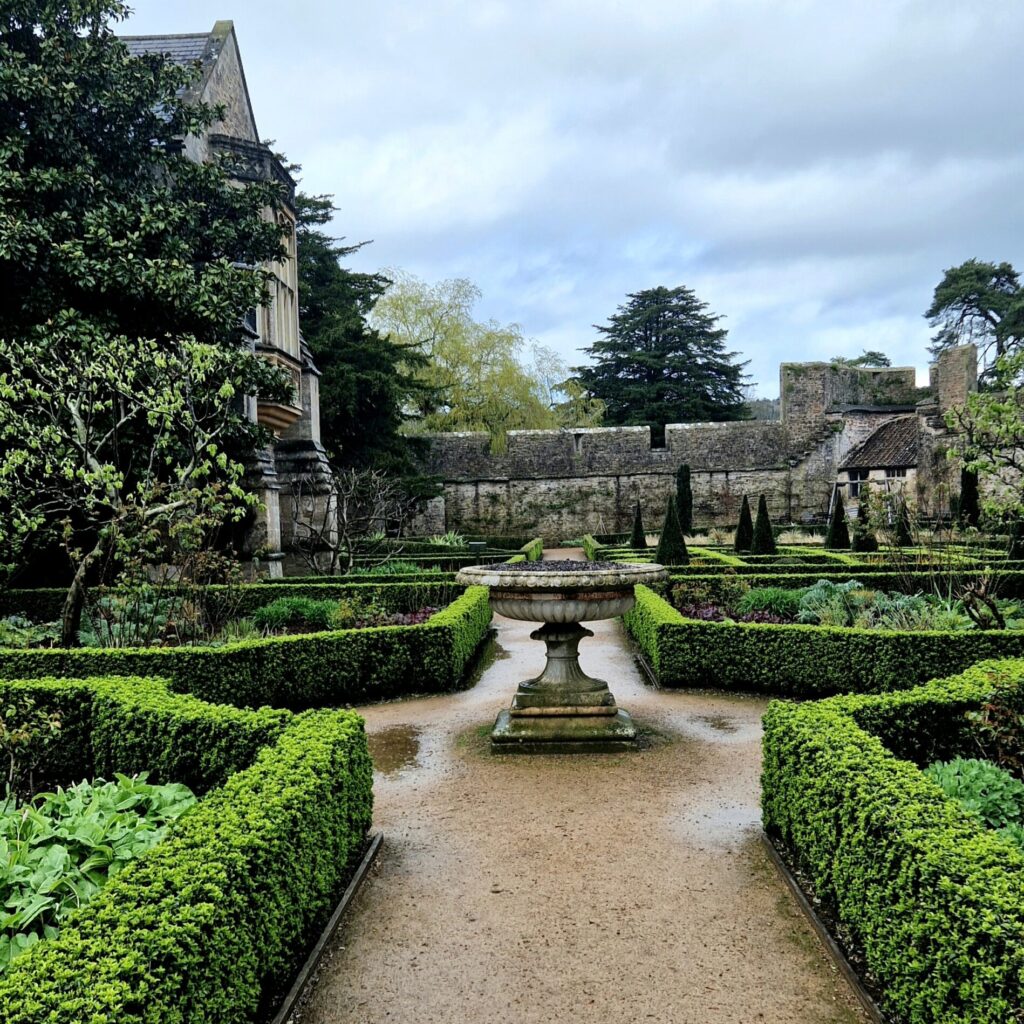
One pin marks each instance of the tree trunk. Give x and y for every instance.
(74, 602)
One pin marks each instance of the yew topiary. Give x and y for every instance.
(638, 539)
(838, 536)
(684, 498)
(744, 528)
(671, 543)
(763, 542)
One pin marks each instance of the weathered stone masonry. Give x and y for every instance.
(561, 483)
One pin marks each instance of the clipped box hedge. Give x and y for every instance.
(208, 926)
(932, 899)
(297, 672)
(805, 661)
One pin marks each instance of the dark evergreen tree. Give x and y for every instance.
(638, 539)
(863, 539)
(838, 536)
(902, 536)
(763, 542)
(982, 303)
(684, 498)
(970, 506)
(1016, 549)
(661, 358)
(671, 543)
(365, 377)
(744, 528)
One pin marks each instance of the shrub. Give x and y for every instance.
(775, 600)
(838, 536)
(207, 926)
(684, 499)
(864, 539)
(931, 899)
(288, 612)
(671, 543)
(969, 506)
(801, 660)
(763, 540)
(638, 538)
(902, 537)
(744, 528)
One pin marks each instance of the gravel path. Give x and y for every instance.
(588, 888)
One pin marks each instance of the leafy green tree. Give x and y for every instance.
(684, 498)
(470, 372)
(671, 542)
(744, 528)
(638, 538)
(366, 378)
(128, 270)
(981, 303)
(838, 536)
(661, 358)
(763, 542)
(970, 505)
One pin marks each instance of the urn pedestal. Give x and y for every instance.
(563, 710)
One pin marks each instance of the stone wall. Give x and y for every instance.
(562, 483)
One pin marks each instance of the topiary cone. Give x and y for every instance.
(638, 538)
(684, 498)
(838, 536)
(671, 543)
(764, 540)
(744, 528)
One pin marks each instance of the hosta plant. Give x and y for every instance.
(60, 849)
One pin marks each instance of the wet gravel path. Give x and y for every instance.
(590, 888)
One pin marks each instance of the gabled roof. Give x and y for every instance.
(894, 445)
(182, 49)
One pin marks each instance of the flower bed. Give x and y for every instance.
(930, 899)
(805, 661)
(296, 672)
(209, 924)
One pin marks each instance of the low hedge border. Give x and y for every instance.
(804, 661)
(713, 585)
(932, 899)
(325, 669)
(533, 550)
(207, 926)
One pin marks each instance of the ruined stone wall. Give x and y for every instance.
(562, 483)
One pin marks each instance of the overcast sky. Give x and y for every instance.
(808, 167)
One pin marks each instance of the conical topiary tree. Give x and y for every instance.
(638, 539)
(838, 536)
(1016, 549)
(970, 507)
(684, 498)
(863, 538)
(671, 543)
(763, 542)
(744, 528)
(903, 538)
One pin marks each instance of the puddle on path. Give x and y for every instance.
(719, 824)
(394, 749)
(719, 723)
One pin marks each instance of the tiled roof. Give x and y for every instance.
(183, 49)
(894, 445)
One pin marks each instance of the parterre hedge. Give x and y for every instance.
(295, 672)
(207, 926)
(805, 661)
(932, 899)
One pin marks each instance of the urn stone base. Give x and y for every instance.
(565, 733)
(563, 710)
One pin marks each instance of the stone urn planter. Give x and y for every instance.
(563, 709)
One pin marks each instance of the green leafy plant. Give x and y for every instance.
(777, 600)
(18, 631)
(832, 604)
(451, 539)
(59, 850)
(26, 731)
(983, 788)
(296, 612)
